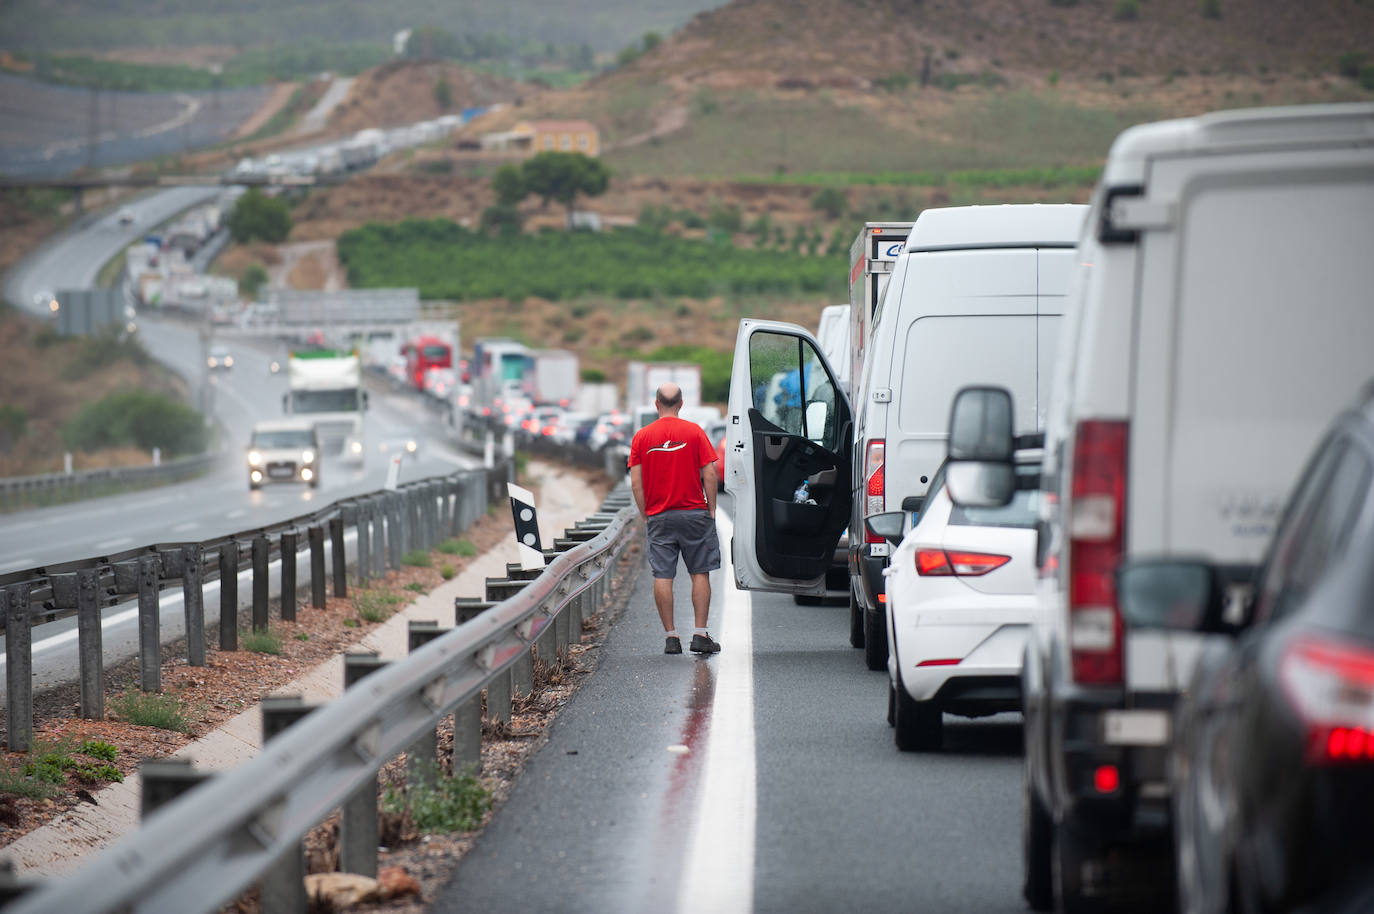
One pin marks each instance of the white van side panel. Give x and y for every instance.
(1256, 326)
(1054, 271)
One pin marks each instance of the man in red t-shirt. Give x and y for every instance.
(673, 475)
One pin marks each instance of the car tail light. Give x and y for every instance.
(942, 661)
(1332, 688)
(941, 562)
(873, 484)
(1107, 778)
(1096, 525)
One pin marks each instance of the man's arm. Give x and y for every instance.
(708, 486)
(637, 486)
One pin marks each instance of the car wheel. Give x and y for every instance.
(918, 725)
(1037, 834)
(1069, 855)
(891, 704)
(875, 640)
(856, 622)
(806, 599)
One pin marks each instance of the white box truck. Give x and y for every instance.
(644, 378)
(326, 386)
(871, 257)
(551, 376)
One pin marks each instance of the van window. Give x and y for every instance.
(945, 353)
(791, 387)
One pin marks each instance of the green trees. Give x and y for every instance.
(559, 176)
(258, 217)
(443, 94)
(140, 418)
(251, 280)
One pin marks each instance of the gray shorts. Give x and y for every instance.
(692, 533)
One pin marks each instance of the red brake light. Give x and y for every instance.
(939, 562)
(943, 661)
(1331, 686)
(1107, 778)
(874, 457)
(1096, 535)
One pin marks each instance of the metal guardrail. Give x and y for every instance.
(385, 525)
(201, 850)
(51, 488)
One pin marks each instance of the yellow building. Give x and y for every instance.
(561, 136)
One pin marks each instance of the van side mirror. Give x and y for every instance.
(888, 525)
(1175, 594)
(980, 473)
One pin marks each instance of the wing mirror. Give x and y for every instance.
(1176, 594)
(980, 473)
(888, 525)
(815, 420)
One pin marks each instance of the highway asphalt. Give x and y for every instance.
(648, 796)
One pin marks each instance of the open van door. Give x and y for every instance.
(789, 423)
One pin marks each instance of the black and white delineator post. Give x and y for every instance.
(526, 526)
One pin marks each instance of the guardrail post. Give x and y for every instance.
(423, 754)
(283, 885)
(358, 829)
(288, 575)
(339, 557)
(499, 697)
(363, 517)
(261, 547)
(453, 500)
(377, 510)
(229, 596)
(163, 780)
(149, 626)
(395, 534)
(90, 646)
(192, 599)
(316, 535)
(18, 668)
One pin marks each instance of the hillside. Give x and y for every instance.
(403, 92)
(607, 25)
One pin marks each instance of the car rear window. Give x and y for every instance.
(1021, 511)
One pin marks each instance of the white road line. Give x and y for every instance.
(110, 544)
(720, 860)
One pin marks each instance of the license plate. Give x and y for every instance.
(280, 472)
(1135, 728)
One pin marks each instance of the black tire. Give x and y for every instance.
(891, 704)
(1037, 839)
(917, 725)
(875, 640)
(856, 622)
(806, 599)
(1070, 853)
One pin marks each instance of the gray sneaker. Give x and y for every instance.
(702, 644)
(672, 645)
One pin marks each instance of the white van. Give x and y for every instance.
(974, 298)
(833, 334)
(1221, 312)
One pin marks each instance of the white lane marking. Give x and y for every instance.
(720, 860)
(110, 544)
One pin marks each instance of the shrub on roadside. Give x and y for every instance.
(267, 641)
(258, 217)
(416, 557)
(151, 709)
(136, 418)
(455, 803)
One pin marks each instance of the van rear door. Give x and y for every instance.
(1255, 323)
(789, 423)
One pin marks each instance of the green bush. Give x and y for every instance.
(503, 219)
(139, 418)
(593, 376)
(13, 423)
(1349, 63)
(654, 217)
(151, 709)
(253, 278)
(18, 784)
(415, 587)
(1126, 10)
(443, 94)
(374, 605)
(1367, 77)
(258, 217)
(452, 804)
(266, 641)
(416, 557)
(1211, 9)
(447, 572)
(831, 201)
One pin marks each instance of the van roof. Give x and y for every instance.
(1291, 127)
(284, 425)
(1007, 225)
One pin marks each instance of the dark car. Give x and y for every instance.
(1273, 755)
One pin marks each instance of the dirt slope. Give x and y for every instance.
(402, 92)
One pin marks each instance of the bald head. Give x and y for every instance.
(668, 399)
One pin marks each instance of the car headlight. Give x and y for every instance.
(228, 361)
(307, 456)
(411, 446)
(254, 458)
(275, 366)
(211, 362)
(356, 447)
